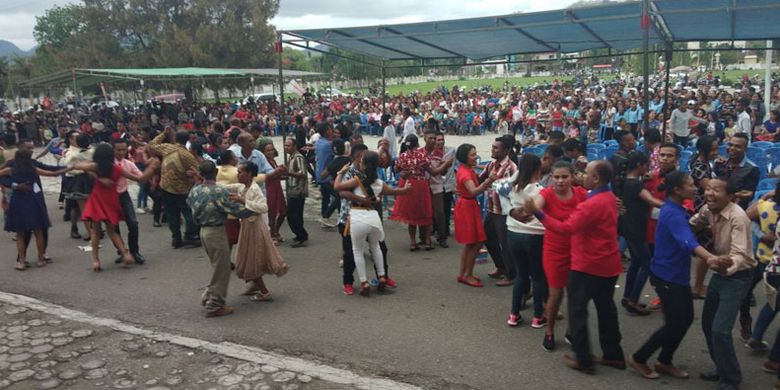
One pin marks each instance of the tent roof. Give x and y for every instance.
(610, 26)
(82, 76)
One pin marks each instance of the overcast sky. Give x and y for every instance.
(17, 17)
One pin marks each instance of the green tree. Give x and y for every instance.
(158, 33)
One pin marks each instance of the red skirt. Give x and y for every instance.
(232, 228)
(103, 206)
(468, 222)
(556, 271)
(415, 208)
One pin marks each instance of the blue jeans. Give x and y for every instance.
(637, 273)
(526, 251)
(767, 314)
(724, 297)
(330, 200)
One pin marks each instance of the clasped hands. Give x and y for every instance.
(719, 264)
(524, 214)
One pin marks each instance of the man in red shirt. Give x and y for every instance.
(595, 267)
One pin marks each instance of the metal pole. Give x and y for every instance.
(383, 87)
(281, 97)
(767, 79)
(668, 62)
(646, 61)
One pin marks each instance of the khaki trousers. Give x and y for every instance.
(215, 242)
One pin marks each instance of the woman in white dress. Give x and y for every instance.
(365, 225)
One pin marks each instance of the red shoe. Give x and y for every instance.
(472, 284)
(390, 282)
(348, 289)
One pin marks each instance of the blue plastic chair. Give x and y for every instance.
(596, 147)
(762, 144)
(612, 149)
(767, 184)
(759, 194)
(757, 155)
(773, 154)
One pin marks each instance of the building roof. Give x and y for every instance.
(613, 26)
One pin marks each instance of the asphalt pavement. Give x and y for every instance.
(430, 331)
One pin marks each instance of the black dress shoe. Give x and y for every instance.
(139, 259)
(74, 234)
(118, 260)
(177, 243)
(710, 376)
(192, 243)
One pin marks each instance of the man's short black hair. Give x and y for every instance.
(554, 151)
(731, 184)
(604, 170)
(355, 149)
(208, 170)
(671, 146)
(182, 137)
(571, 144)
(743, 136)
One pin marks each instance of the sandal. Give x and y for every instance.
(365, 289)
(261, 297)
(414, 248)
(20, 266)
(96, 266)
(381, 283)
(429, 246)
(127, 261)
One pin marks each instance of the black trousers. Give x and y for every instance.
(448, 203)
(495, 230)
(677, 306)
(131, 220)
(348, 276)
(581, 290)
(175, 208)
(295, 217)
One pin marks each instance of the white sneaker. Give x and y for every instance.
(140, 211)
(327, 223)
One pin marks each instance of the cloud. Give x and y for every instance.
(303, 14)
(17, 17)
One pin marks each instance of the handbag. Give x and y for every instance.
(771, 293)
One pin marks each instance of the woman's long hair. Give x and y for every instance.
(23, 162)
(529, 166)
(410, 143)
(104, 159)
(703, 147)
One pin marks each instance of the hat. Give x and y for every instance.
(691, 102)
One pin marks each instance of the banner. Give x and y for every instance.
(295, 87)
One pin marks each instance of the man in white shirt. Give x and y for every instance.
(743, 118)
(517, 118)
(408, 124)
(679, 122)
(389, 135)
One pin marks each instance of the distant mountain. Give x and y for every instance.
(8, 49)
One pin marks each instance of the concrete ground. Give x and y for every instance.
(430, 332)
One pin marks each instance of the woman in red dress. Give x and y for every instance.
(277, 206)
(469, 229)
(559, 201)
(103, 202)
(416, 209)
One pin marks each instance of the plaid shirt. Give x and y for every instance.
(506, 169)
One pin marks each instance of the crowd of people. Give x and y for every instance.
(557, 217)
